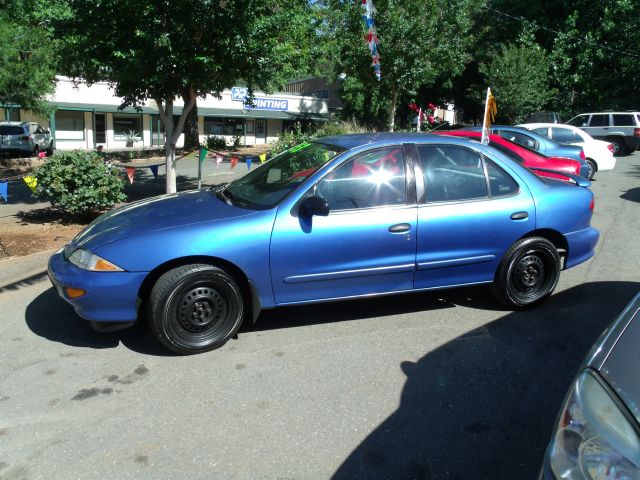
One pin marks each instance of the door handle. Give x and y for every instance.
(400, 228)
(519, 216)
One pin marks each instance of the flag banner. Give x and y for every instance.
(490, 110)
(154, 170)
(263, 157)
(371, 37)
(131, 171)
(32, 182)
(4, 189)
(249, 161)
(203, 154)
(234, 162)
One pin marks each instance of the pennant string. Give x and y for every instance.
(372, 38)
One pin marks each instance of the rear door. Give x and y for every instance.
(599, 125)
(471, 212)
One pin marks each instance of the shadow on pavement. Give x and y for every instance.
(484, 404)
(52, 318)
(344, 310)
(633, 195)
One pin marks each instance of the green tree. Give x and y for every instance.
(160, 51)
(518, 76)
(420, 42)
(27, 53)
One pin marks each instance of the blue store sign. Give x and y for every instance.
(240, 94)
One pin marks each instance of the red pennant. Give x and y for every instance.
(131, 171)
(234, 162)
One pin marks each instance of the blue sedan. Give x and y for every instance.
(341, 217)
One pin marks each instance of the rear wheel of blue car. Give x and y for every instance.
(528, 273)
(195, 308)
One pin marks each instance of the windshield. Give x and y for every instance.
(265, 186)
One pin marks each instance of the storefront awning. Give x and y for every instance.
(203, 111)
(92, 107)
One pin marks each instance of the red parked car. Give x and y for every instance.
(528, 158)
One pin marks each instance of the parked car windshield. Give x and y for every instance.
(265, 186)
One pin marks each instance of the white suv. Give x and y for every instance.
(622, 129)
(24, 138)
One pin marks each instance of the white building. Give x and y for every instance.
(88, 116)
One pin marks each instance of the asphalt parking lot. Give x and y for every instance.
(439, 385)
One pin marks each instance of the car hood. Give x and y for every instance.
(157, 213)
(616, 356)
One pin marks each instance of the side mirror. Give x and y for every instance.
(314, 205)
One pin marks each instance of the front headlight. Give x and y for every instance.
(595, 439)
(90, 261)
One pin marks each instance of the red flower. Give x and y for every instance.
(432, 107)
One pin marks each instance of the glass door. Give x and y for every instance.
(101, 129)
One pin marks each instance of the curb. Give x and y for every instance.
(13, 270)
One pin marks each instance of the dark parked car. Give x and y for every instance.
(543, 117)
(597, 431)
(341, 217)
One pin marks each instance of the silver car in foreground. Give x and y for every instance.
(597, 434)
(24, 138)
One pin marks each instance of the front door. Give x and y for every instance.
(366, 244)
(101, 129)
(261, 132)
(471, 213)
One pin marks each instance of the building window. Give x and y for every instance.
(123, 124)
(12, 114)
(69, 125)
(223, 126)
(250, 125)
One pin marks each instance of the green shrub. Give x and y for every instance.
(215, 142)
(298, 135)
(79, 183)
(237, 139)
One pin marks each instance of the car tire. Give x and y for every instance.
(36, 151)
(619, 146)
(49, 151)
(528, 273)
(195, 308)
(593, 168)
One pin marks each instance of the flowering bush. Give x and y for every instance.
(425, 115)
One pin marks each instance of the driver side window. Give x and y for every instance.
(371, 179)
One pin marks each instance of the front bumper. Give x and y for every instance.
(582, 246)
(109, 297)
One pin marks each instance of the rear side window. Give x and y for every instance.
(500, 183)
(623, 120)
(599, 120)
(452, 173)
(519, 138)
(579, 121)
(564, 135)
(11, 130)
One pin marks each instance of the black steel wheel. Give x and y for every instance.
(195, 308)
(528, 273)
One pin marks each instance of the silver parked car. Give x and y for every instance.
(597, 434)
(24, 138)
(621, 129)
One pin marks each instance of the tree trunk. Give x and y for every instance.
(191, 133)
(172, 133)
(394, 104)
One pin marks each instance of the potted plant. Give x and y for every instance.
(130, 137)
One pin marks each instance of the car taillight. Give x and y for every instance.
(610, 145)
(582, 155)
(636, 132)
(592, 205)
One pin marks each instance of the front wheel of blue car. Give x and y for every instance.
(195, 308)
(528, 273)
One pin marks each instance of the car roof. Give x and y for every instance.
(355, 140)
(7, 122)
(549, 124)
